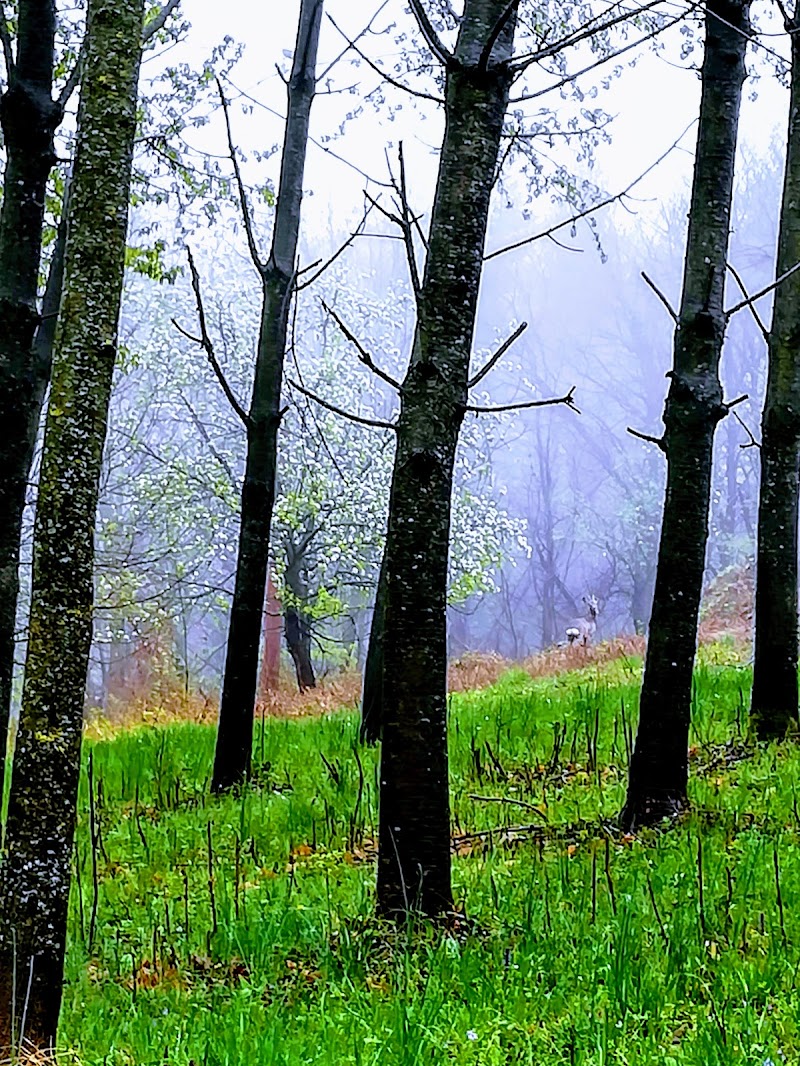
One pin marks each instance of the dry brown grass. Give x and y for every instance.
(553, 661)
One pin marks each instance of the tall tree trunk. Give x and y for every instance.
(297, 624)
(414, 837)
(29, 117)
(659, 767)
(35, 870)
(774, 702)
(235, 735)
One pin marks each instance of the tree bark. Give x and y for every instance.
(269, 678)
(35, 870)
(297, 625)
(29, 117)
(414, 836)
(775, 692)
(235, 736)
(372, 691)
(659, 767)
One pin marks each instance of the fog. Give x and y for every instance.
(551, 505)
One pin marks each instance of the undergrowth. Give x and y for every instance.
(240, 929)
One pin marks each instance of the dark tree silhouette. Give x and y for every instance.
(235, 736)
(774, 701)
(694, 407)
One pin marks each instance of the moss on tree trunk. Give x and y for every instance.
(35, 871)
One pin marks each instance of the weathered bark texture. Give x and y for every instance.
(694, 406)
(235, 735)
(414, 839)
(35, 870)
(29, 117)
(775, 695)
(372, 690)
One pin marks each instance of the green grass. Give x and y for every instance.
(577, 946)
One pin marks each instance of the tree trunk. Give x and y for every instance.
(35, 871)
(659, 767)
(372, 691)
(297, 624)
(775, 695)
(235, 735)
(270, 676)
(29, 117)
(414, 836)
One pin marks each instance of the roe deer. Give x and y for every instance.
(581, 630)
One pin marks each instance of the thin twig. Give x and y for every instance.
(248, 222)
(323, 266)
(72, 82)
(363, 354)
(762, 292)
(735, 403)
(508, 799)
(473, 381)
(754, 312)
(205, 343)
(752, 443)
(408, 216)
(378, 70)
(567, 400)
(374, 422)
(658, 441)
(595, 207)
(670, 309)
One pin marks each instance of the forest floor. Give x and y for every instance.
(240, 930)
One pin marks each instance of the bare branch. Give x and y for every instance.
(430, 34)
(374, 422)
(588, 30)
(762, 292)
(378, 70)
(8, 48)
(481, 374)
(160, 20)
(323, 266)
(72, 82)
(658, 441)
(363, 354)
(752, 442)
(491, 41)
(754, 312)
(567, 400)
(408, 216)
(595, 207)
(248, 222)
(670, 309)
(205, 343)
(735, 403)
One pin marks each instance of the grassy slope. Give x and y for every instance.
(579, 947)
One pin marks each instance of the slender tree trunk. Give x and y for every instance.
(35, 870)
(414, 837)
(659, 767)
(297, 624)
(774, 702)
(29, 117)
(235, 735)
(270, 676)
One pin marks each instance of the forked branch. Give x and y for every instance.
(429, 33)
(567, 400)
(363, 354)
(204, 340)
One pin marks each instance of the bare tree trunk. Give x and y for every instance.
(659, 767)
(414, 838)
(271, 651)
(774, 701)
(235, 736)
(297, 625)
(29, 117)
(35, 871)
